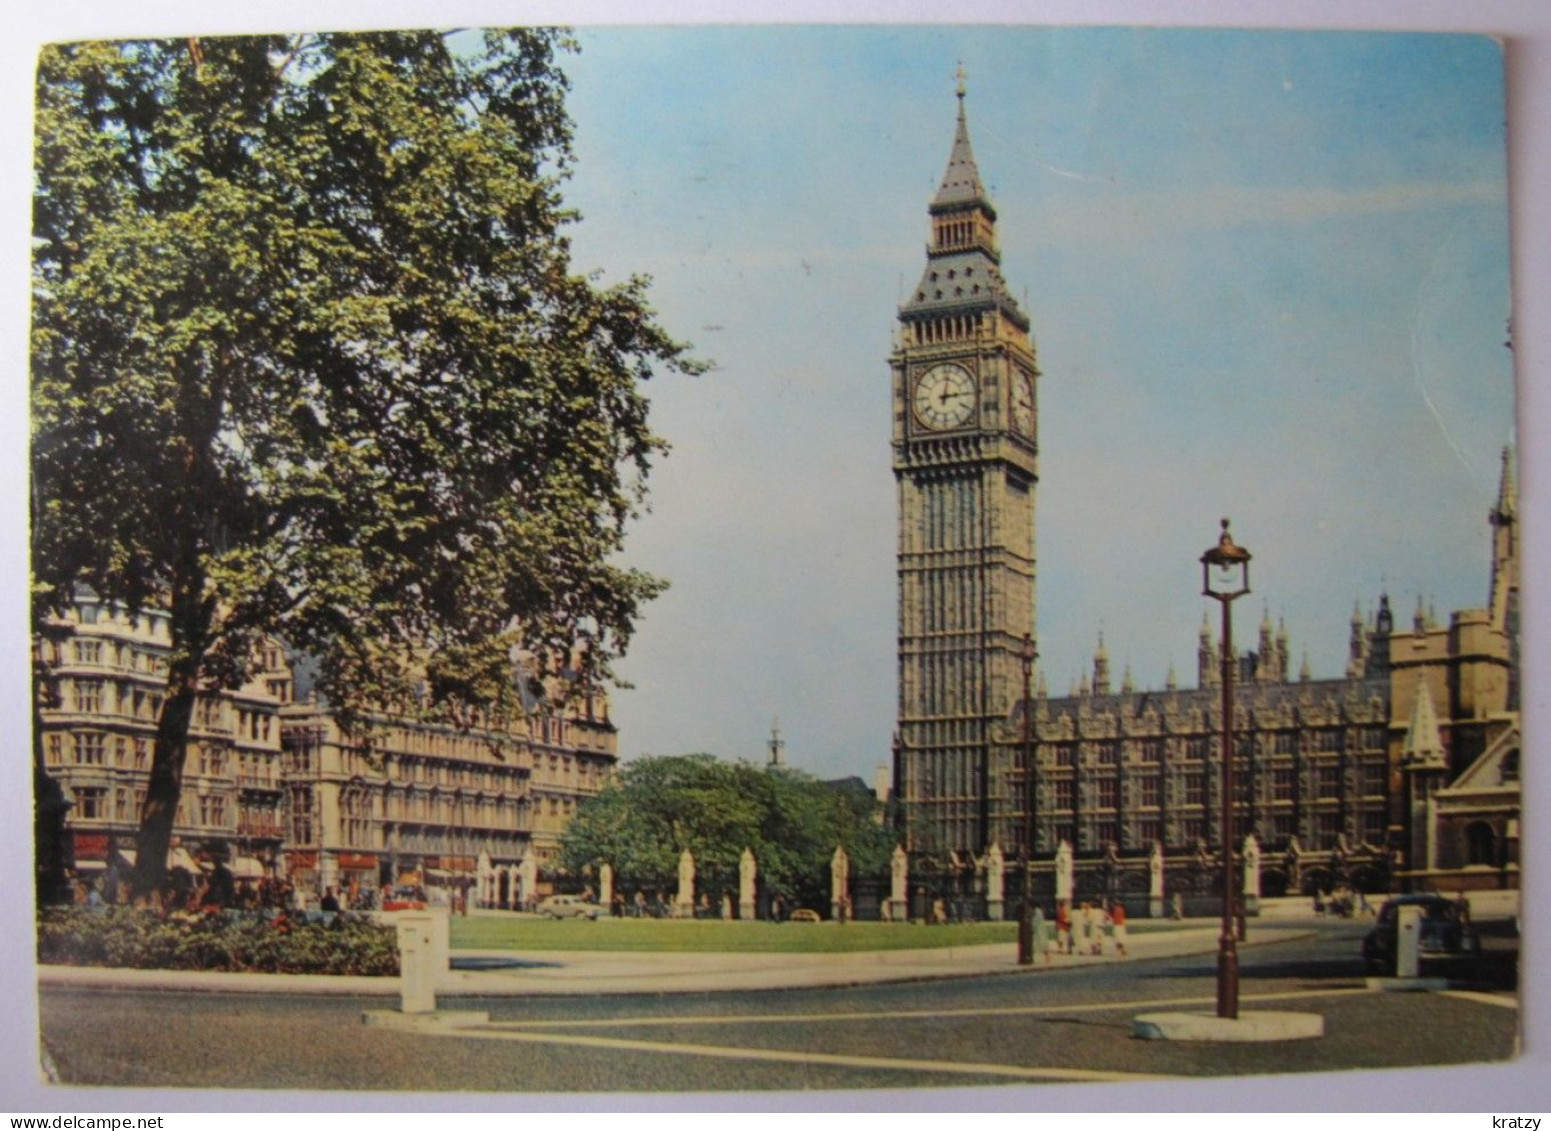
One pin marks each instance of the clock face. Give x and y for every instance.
(1023, 403)
(945, 397)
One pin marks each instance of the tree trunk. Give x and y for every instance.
(50, 852)
(166, 784)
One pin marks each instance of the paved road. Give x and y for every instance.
(1059, 1025)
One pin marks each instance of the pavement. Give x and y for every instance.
(554, 973)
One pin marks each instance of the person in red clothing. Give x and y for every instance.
(1117, 918)
(1063, 928)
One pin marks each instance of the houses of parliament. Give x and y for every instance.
(1401, 773)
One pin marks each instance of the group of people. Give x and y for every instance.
(1089, 928)
(1342, 902)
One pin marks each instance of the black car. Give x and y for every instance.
(1448, 941)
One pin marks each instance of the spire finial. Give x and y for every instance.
(961, 74)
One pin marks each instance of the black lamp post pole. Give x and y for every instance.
(1225, 576)
(1026, 856)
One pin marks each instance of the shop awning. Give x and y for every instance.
(179, 858)
(247, 868)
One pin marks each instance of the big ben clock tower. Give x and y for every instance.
(965, 464)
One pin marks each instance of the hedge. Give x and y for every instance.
(250, 943)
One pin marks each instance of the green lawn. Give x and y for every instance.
(512, 933)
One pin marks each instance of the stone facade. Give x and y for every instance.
(274, 784)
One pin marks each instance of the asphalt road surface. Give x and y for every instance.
(1068, 1025)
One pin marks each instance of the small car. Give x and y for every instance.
(568, 907)
(1448, 940)
(803, 915)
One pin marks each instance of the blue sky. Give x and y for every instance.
(1268, 278)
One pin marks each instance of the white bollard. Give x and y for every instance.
(1408, 942)
(417, 962)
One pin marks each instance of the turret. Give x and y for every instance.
(1101, 669)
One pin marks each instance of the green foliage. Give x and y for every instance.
(309, 359)
(129, 937)
(657, 807)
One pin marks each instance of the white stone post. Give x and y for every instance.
(748, 869)
(527, 879)
(684, 905)
(417, 962)
(899, 883)
(995, 865)
(1064, 873)
(1251, 875)
(1155, 881)
(839, 885)
(606, 886)
(1408, 941)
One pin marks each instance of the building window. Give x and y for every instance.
(1286, 742)
(1375, 779)
(1327, 781)
(89, 749)
(1195, 789)
(88, 652)
(1195, 829)
(1481, 843)
(1108, 753)
(1152, 750)
(1284, 784)
(1149, 831)
(1374, 827)
(1327, 741)
(1152, 793)
(88, 695)
(1109, 791)
(91, 804)
(1198, 747)
(1325, 830)
(142, 753)
(1066, 755)
(55, 749)
(121, 805)
(1063, 794)
(121, 752)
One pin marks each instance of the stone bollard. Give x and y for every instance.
(1408, 942)
(417, 962)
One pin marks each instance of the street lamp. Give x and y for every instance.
(1026, 914)
(1224, 577)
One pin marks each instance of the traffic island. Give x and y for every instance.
(1262, 1025)
(1406, 985)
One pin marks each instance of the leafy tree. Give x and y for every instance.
(310, 360)
(657, 807)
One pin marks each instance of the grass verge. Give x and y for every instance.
(521, 933)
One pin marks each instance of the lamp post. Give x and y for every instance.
(1026, 911)
(1225, 577)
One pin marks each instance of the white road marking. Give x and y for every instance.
(922, 1014)
(783, 1056)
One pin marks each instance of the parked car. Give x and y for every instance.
(1448, 940)
(568, 907)
(803, 915)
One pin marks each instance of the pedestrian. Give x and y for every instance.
(330, 901)
(1117, 917)
(1063, 928)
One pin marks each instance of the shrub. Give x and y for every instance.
(253, 943)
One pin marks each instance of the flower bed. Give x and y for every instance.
(242, 942)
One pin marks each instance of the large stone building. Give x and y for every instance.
(272, 784)
(1372, 779)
